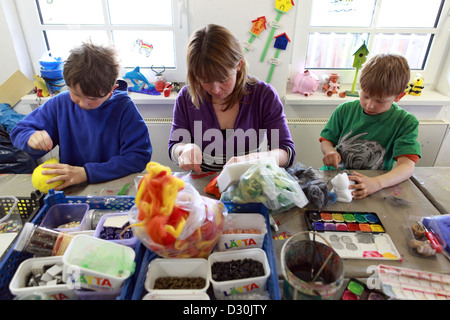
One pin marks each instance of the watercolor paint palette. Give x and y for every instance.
(357, 290)
(362, 245)
(343, 221)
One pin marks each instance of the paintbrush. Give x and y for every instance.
(322, 267)
(313, 263)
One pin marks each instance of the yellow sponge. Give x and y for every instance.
(39, 180)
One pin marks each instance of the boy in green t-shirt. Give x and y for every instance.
(373, 132)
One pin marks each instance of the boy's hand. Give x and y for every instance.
(190, 158)
(364, 185)
(332, 159)
(71, 175)
(40, 140)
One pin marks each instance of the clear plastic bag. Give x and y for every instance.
(200, 233)
(269, 184)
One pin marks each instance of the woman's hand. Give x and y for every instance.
(364, 185)
(40, 140)
(190, 158)
(71, 175)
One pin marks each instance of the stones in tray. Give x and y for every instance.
(45, 276)
(236, 269)
(179, 283)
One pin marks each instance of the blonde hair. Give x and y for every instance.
(93, 67)
(211, 53)
(385, 75)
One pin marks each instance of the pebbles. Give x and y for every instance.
(236, 269)
(180, 283)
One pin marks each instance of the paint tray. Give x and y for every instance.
(343, 221)
(358, 290)
(362, 245)
(410, 284)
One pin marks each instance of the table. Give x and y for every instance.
(392, 206)
(434, 182)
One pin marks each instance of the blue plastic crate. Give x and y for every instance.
(13, 259)
(272, 281)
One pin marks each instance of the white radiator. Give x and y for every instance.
(305, 133)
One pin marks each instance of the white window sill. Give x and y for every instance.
(138, 98)
(427, 98)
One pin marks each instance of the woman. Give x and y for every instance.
(223, 115)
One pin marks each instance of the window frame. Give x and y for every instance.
(37, 46)
(433, 63)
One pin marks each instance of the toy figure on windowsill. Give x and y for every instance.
(415, 88)
(333, 86)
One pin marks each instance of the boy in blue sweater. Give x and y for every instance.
(100, 133)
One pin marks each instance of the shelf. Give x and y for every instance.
(138, 99)
(428, 98)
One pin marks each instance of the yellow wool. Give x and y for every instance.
(39, 180)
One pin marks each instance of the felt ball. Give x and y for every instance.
(39, 180)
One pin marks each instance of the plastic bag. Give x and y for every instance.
(8, 117)
(200, 233)
(269, 184)
(13, 160)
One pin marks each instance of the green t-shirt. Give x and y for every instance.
(372, 142)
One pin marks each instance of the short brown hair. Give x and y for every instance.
(93, 67)
(384, 75)
(212, 51)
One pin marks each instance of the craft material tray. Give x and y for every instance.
(272, 281)
(343, 221)
(12, 259)
(362, 245)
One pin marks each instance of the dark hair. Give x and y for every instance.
(211, 53)
(93, 67)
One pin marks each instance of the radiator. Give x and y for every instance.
(305, 133)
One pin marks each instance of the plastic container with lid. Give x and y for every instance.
(18, 285)
(226, 289)
(42, 242)
(65, 213)
(244, 227)
(177, 267)
(96, 264)
(130, 242)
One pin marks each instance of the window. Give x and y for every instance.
(146, 32)
(333, 30)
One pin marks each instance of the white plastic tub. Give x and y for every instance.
(18, 286)
(224, 289)
(168, 267)
(241, 240)
(85, 256)
(176, 296)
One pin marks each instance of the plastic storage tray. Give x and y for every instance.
(13, 259)
(272, 282)
(63, 213)
(28, 206)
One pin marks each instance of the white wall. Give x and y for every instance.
(8, 58)
(237, 16)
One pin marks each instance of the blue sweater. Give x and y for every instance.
(110, 142)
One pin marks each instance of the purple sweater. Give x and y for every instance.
(260, 112)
